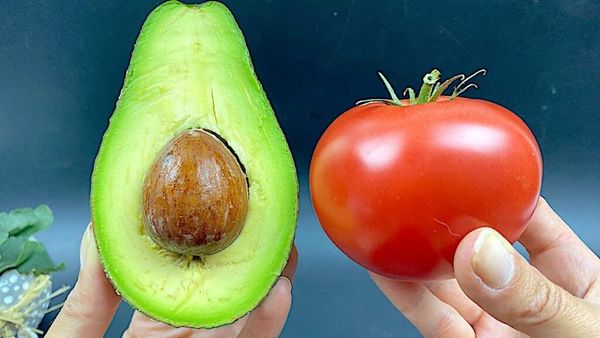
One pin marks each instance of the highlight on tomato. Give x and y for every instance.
(396, 184)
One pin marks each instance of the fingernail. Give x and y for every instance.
(492, 261)
(285, 280)
(85, 245)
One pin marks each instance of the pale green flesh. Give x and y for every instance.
(190, 69)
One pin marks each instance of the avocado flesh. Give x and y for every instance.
(190, 68)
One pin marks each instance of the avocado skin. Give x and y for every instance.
(225, 97)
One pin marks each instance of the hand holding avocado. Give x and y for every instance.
(194, 193)
(91, 305)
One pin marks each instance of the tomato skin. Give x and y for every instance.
(396, 188)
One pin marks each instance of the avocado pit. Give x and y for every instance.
(195, 195)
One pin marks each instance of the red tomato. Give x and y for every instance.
(397, 188)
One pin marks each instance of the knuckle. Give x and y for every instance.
(76, 307)
(443, 326)
(543, 307)
(447, 325)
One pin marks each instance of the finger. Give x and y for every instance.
(271, 314)
(143, 326)
(449, 292)
(558, 253)
(92, 303)
(268, 319)
(431, 316)
(503, 283)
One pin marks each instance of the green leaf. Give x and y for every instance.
(17, 249)
(14, 251)
(39, 262)
(26, 221)
(3, 237)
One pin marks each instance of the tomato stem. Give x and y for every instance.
(430, 91)
(411, 95)
(390, 89)
(394, 101)
(442, 87)
(429, 80)
(460, 89)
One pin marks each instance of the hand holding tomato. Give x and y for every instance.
(409, 190)
(397, 184)
(497, 293)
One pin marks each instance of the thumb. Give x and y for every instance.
(493, 274)
(92, 303)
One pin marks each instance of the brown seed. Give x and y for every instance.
(195, 195)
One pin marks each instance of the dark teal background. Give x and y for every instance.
(62, 65)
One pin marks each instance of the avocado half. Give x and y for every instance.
(191, 69)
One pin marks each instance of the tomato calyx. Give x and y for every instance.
(430, 90)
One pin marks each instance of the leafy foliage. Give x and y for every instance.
(18, 249)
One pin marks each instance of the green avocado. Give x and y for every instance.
(190, 69)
